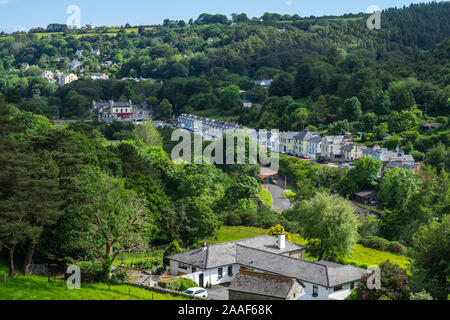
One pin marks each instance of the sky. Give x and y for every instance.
(18, 15)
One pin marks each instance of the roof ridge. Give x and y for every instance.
(279, 254)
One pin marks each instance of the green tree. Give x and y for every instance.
(351, 109)
(148, 134)
(164, 110)
(172, 249)
(304, 82)
(431, 258)
(329, 224)
(361, 177)
(229, 97)
(117, 219)
(397, 188)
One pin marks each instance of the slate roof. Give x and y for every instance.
(221, 254)
(396, 164)
(316, 139)
(291, 134)
(312, 272)
(262, 253)
(262, 284)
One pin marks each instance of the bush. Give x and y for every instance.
(383, 244)
(397, 247)
(143, 263)
(91, 272)
(172, 249)
(375, 243)
(119, 277)
(233, 219)
(186, 283)
(170, 284)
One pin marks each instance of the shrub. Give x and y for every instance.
(91, 272)
(397, 247)
(233, 219)
(186, 283)
(170, 284)
(119, 277)
(383, 244)
(423, 295)
(173, 248)
(375, 243)
(143, 263)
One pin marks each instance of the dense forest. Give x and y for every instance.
(83, 198)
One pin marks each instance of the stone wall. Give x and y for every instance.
(237, 295)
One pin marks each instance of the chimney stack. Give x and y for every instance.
(281, 241)
(204, 246)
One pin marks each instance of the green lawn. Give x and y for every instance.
(361, 254)
(38, 288)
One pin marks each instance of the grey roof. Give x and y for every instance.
(225, 253)
(262, 253)
(316, 139)
(396, 164)
(312, 272)
(291, 134)
(348, 147)
(262, 284)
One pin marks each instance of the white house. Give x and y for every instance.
(331, 147)
(220, 263)
(66, 78)
(95, 52)
(353, 152)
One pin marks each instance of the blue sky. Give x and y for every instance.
(24, 14)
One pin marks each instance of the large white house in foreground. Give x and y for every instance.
(220, 263)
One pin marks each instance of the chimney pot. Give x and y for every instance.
(281, 241)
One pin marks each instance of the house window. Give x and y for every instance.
(220, 273)
(352, 285)
(338, 288)
(194, 269)
(182, 266)
(315, 291)
(230, 271)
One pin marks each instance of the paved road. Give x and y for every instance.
(219, 292)
(279, 201)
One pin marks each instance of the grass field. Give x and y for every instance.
(361, 254)
(38, 288)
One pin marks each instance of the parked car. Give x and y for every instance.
(304, 156)
(322, 159)
(198, 292)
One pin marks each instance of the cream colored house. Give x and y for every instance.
(66, 78)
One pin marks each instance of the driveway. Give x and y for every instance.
(279, 201)
(219, 292)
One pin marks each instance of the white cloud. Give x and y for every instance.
(3, 2)
(289, 3)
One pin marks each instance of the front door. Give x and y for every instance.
(200, 281)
